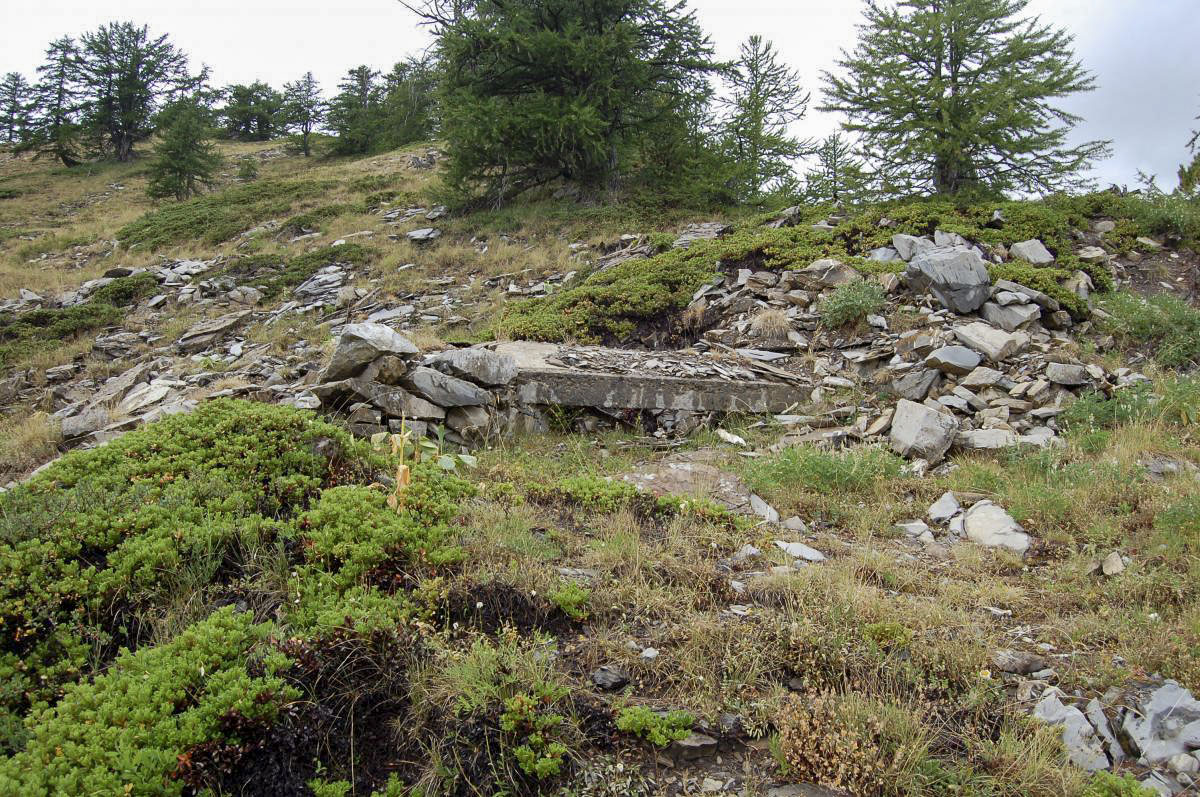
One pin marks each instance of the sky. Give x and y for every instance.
(1144, 52)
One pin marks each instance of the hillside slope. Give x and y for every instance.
(801, 502)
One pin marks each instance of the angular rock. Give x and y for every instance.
(826, 274)
(1085, 749)
(957, 360)
(1032, 251)
(1068, 375)
(470, 422)
(986, 439)
(908, 246)
(1009, 317)
(206, 333)
(84, 423)
(989, 525)
(609, 677)
(944, 508)
(695, 746)
(424, 235)
(920, 431)
(995, 344)
(916, 384)
(958, 277)
(478, 365)
(1160, 721)
(798, 550)
(395, 402)
(360, 344)
(1017, 662)
(444, 390)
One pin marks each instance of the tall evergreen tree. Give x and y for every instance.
(16, 105)
(250, 111)
(303, 109)
(409, 108)
(353, 113)
(839, 174)
(184, 156)
(540, 90)
(54, 129)
(959, 95)
(127, 76)
(766, 97)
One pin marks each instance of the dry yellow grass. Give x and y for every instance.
(26, 441)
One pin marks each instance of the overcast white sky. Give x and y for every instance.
(1146, 53)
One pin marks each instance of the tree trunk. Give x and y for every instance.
(124, 143)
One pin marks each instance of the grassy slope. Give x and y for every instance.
(432, 648)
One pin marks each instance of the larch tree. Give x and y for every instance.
(184, 155)
(353, 113)
(127, 76)
(952, 96)
(250, 111)
(839, 174)
(765, 98)
(16, 105)
(535, 91)
(54, 129)
(303, 109)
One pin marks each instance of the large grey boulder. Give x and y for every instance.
(444, 390)
(954, 360)
(1009, 317)
(989, 525)
(995, 344)
(1032, 251)
(957, 276)
(359, 344)
(920, 431)
(478, 365)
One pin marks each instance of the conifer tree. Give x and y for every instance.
(766, 97)
(54, 129)
(962, 95)
(251, 111)
(541, 90)
(303, 109)
(353, 113)
(839, 175)
(16, 104)
(127, 76)
(184, 156)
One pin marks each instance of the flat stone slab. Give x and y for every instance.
(539, 381)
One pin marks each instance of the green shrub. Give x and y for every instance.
(219, 216)
(1167, 322)
(104, 533)
(1092, 410)
(571, 599)
(274, 274)
(123, 732)
(23, 334)
(1106, 784)
(851, 304)
(526, 717)
(658, 729)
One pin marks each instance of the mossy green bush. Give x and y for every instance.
(657, 729)
(851, 304)
(117, 661)
(218, 216)
(124, 731)
(22, 334)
